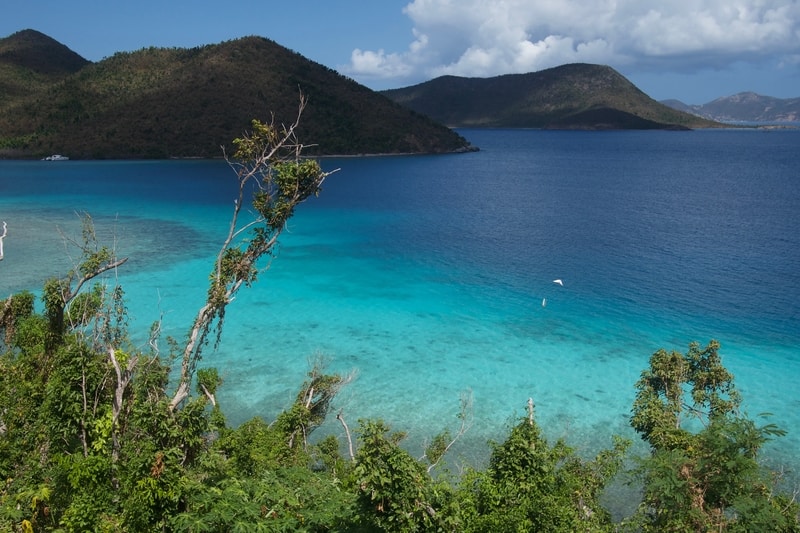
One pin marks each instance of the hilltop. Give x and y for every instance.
(574, 96)
(744, 107)
(160, 103)
(31, 61)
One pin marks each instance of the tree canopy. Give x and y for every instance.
(703, 473)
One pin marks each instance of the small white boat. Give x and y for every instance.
(56, 157)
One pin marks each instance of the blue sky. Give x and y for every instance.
(692, 50)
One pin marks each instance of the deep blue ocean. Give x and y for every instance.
(426, 275)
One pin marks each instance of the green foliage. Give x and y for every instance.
(285, 499)
(293, 181)
(82, 484)
(58, 294)
(254, 447)
(533, 486)
(438, 446)
(706, 476)
(67, 408)
(677, 385)
(14, 310)
(35, 500)
(54, 298)
(84, 307)
(394, 490)
(253, 481)
(269, 156)
(208, 379)
(311, 405)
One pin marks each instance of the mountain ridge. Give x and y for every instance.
(30, 61)
(571, 96)
(39, 52)
(745, 106)
(179, 102)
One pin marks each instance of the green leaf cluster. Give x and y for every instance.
(531, 485)
(394, 490)
(703, 473)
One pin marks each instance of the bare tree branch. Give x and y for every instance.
(3, 236)
(340, 418)
(261, 157)
(530, 411)
(466, 417)
(208, 394)
(123, 378)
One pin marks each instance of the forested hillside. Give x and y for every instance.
(160, 103)
(30, 62)
(575, 96)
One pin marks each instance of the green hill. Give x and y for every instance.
(31, 61)
(744, 107)
(159, 103)
(575, 96)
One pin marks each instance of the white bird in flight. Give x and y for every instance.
(559, 282)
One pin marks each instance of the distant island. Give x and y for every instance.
(574, 96)
(167, 103)
(746, 107)
(177, 103)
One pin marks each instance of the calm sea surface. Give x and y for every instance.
(427, 275)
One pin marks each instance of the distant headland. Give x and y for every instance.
(158, 103)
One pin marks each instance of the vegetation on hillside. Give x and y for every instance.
(30, 62)
(95, 435)
(570, 96)
(160, 103)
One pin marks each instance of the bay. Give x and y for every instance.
(426, 275)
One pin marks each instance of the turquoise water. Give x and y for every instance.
(425, 276)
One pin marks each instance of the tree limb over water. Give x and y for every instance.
(3, 236)
(268, 163)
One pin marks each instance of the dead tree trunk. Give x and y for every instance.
(123, 378)
(3, 236)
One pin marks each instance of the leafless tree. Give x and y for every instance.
(3, 236)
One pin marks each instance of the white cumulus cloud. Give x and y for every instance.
(492, 37)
